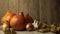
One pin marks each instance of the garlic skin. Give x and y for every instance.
(35, 24)
(5, 27)
(53, 28)
(58, 28)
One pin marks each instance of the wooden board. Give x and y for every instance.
(3, 7)
(27, 32)
(13, 6)
(29, 6)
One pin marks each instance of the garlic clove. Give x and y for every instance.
(5, 27)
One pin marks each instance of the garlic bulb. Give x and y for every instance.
(53, 28)
(5, 27)
(58, 28)
(35, 24)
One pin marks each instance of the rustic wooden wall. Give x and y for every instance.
(8, 5)
(13, 6)
(54, 11)
(29, 6)
(26, 6)
(3, 7)
(46, 10)
(49, 11)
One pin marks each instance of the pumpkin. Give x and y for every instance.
(7, 17)
(17, 22)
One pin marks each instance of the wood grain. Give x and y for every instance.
(3, 7)
(29, 6)
(45, 10)
(13, 6)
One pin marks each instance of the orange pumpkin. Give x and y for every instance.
(17, 22)
(7, 17)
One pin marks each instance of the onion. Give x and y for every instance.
(28, 19)
(7, 17)
(29, 27)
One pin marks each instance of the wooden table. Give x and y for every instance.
(27, 32)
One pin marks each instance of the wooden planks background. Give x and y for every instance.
(44, 10)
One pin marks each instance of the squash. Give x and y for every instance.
(18, 22)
